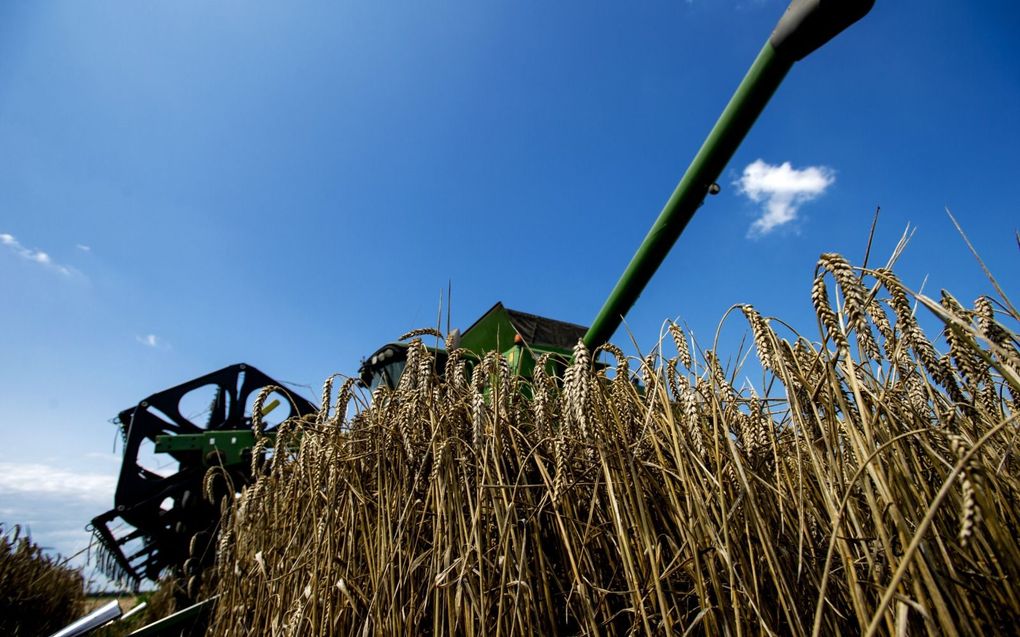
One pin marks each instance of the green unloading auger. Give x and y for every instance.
(806, 25)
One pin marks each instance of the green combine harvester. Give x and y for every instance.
(162, 523)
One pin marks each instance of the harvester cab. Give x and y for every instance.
(521, 337)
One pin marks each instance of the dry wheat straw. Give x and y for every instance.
(852, 495)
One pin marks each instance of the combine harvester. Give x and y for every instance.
(166, 525)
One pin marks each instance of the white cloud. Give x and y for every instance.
(35, 479)
(151, 340)
(54, 504)
(36, 256)
(781, 190)
(83, 247)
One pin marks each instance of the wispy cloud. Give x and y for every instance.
(104, 457)
(44, 480)
(781, 190)
(34, 255)
(153, 341)
(54, 503)
(83, 247)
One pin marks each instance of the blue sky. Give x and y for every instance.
(187, 185)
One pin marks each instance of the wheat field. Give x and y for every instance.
(868, 485)
(39, 592)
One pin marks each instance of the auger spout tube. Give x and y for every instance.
(805, 26)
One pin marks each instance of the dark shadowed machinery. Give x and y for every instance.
(161, 519)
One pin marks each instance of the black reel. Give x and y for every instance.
(165, 521)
